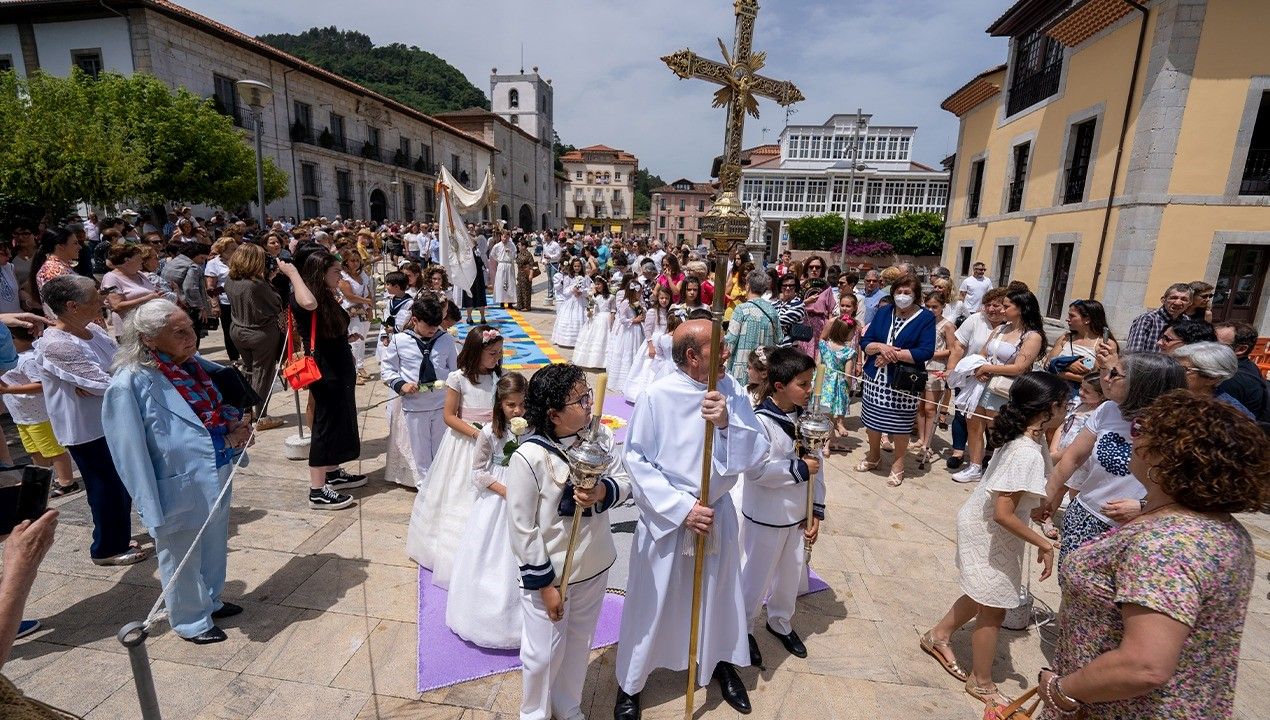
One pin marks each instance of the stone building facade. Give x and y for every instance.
(524, 169)
(349, 151)
(677, 209)
(1053, 184)
(601, 193)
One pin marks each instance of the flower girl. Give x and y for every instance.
(656, 324)
(572, 288)
(440, 513)
(628, 334)
(593, 342)
(483, 606)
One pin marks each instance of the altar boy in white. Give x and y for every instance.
(414, 361)
(663, 454)
(774, 503)
(556, 636)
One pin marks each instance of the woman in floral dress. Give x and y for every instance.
(1153, 612)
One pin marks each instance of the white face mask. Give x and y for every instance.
(903, 301)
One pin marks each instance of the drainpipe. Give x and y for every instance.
(1124, 130)
(295, 181)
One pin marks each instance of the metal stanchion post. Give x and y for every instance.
(133, 636)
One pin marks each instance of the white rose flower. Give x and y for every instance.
(518, 425)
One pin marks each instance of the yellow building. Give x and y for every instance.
(1053, 184)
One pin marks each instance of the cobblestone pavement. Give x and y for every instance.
(329, 629)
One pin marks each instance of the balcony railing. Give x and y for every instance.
(1028, 91)
(1256, 180)
(1016, 196)
(371, 152)
(302, 134)
(1074, 190)
(229, 109)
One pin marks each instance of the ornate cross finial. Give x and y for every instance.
(727, 223)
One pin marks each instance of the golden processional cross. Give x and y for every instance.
(726, 225)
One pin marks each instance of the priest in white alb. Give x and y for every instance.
(503, 258)
(664, 450)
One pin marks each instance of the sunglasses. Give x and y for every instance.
(1114, 374)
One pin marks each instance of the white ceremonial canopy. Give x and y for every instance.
(456, 243)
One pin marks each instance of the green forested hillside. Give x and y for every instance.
(407, 74)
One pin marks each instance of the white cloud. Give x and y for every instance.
(896, 59)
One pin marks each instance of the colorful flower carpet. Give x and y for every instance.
(524, 348)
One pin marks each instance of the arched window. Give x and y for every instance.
(513, 98)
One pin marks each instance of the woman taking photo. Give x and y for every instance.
(260, 323)
(75, 356)
(1010, 351)
(175, 470)
(1152, 615)
(323, 326)
(357, 297)
(897, 345)
(127, 286)
(1074, 354)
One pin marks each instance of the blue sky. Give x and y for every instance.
(897, 59)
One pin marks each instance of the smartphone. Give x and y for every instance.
(24, 495)
(1106, 334)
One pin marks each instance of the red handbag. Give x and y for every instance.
(301, 369)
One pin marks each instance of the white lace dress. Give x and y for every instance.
(990, 558)
(440, 511)
(648, 370)
(571, 298)
(641, 373)
(627, 338)
(483, 606)
(593, 342)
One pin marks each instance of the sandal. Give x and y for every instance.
(64, 490)
(932, 647)
(888, 446)
(895, 479)
(865, 465)
(986, 695)
(1049, 530)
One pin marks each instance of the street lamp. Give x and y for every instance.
(855, 164)
(257, 95)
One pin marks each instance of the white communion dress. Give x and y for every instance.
(571, 298)
(626, 340)
(484, 600)
(440, 511)
(593, 342)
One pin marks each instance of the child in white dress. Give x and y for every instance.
(483, 606)
(993, 529)
(593, 342)
(661, 364)
(656, 324)
(628, 334)
(572, 292)
(440, 513)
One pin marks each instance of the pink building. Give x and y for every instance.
(676, 212)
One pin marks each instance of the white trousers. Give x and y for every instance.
(426, 428)
(358, 327)
(771, 571)
(555, 654)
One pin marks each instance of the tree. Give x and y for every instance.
(815, 232)
(559, 148)
(120, 139)
(404, 73)
(645, 182)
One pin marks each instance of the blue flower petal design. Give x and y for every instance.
(1113, 452)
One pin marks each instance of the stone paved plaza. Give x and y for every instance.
(330, 632)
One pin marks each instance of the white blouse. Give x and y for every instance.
(68, 363)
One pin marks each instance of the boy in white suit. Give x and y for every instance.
(774, 503)
(414, 360)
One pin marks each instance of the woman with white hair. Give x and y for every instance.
(74, 358)
(1207, 365)
(174, 438)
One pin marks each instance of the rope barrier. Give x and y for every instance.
(866, 380)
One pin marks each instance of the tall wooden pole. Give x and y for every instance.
(725, 226)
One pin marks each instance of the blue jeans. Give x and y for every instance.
(552, 269)
(959, 432)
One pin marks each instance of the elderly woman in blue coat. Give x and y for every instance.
(173, 440)
(897, 344)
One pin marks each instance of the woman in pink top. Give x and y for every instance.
(671, 277)
(126, 286)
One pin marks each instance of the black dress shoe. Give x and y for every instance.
(792, 642)
(756, 657)
(214, 635)
(227, 609)
(734, 693)
(626, 707)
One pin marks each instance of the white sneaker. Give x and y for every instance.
(970, 473)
